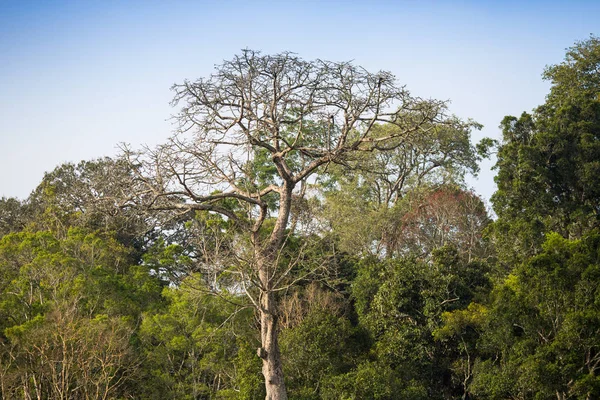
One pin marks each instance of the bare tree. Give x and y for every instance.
(248, 141)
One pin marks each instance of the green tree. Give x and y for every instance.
(193, 347)
(13, 215)
(92, 195)
(322, 346)
(69, 307)
(548, 168)
(401, 303)
(543, 326)
(366, 199)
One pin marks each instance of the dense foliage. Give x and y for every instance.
(398, 284)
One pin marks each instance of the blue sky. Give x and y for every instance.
(77, 78)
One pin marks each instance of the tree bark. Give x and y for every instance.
(266, 259)
(269, 352)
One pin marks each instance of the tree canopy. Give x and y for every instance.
(307, 233)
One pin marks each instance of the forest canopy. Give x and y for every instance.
(307, 233)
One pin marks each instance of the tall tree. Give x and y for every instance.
(251, 137)
(548, 170)
(542, 319)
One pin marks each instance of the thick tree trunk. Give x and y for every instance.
(269, 352)
(266, 259)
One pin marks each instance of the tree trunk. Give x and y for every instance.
(266, 259)
(269, 352)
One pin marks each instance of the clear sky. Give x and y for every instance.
(79, 77)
